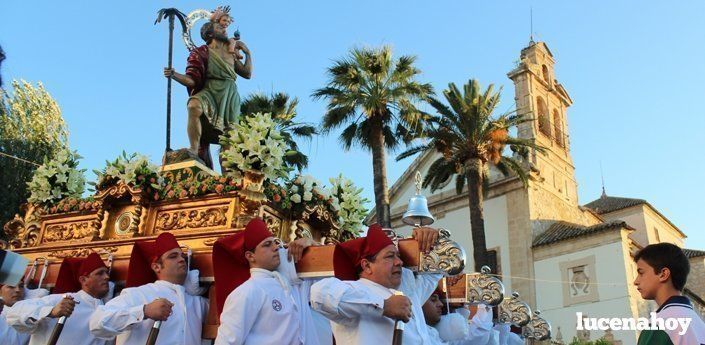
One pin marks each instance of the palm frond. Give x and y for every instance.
(511, 165)
(368, 83)
(327, 91)
(348, 136)
(297, 160)
(414, 150)
(336, 117)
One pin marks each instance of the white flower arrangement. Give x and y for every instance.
(57, 179)
(305, 190)
(304, 187)
(135, 170)
(350, 204)
(255, 144)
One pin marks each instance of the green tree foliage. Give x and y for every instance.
(31, 128)
(600, 341)
(469, 137)
(374, 97)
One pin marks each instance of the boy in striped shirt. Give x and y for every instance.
(662, 270)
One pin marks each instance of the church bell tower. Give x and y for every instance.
(540, 96)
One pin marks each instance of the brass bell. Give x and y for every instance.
(417, 213)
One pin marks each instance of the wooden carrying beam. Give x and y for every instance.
(317, 262)
(458, 292)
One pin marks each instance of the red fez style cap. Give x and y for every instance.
(144, 253)
(348, 255)
(230, 268)
(72, 268)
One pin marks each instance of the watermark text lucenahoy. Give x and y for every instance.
(632, 324)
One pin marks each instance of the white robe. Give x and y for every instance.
(260, 311)
(249, 315)
(505, 336)
(124, 316)
(32, 316)
(9, 335)
(355, 308)
(455, 329)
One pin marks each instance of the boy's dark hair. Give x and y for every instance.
(666, 255)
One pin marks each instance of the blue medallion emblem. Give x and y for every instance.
(276, 305)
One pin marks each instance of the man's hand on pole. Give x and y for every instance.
(158, 310)
(63, 308)
(397, 307)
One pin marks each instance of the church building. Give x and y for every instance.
(560, 256)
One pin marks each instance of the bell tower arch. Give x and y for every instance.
(540, 96)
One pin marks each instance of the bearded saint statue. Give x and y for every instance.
(214, 103)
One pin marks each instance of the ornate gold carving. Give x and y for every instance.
(134, 227)
(252, 188)
(209, 242)
(301, 230)
(13, 229)
(117, 191)
(186, 174)
(322, 214)
(31, 235)
(60, 254)
(330, 229)
(484, 288)
(447, 256)
(274, 222)
(14, 226)
(114, 192)
(123, 224)
(82, 231)
(195, 218)
(515, 311)
(23, 231)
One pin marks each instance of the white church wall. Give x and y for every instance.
(612, 300)
(496, 232)
(634, 217)
(662, 230)
(650, 226)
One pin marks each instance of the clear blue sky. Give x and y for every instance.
(635, 70)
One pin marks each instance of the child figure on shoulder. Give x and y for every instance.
(221, 16)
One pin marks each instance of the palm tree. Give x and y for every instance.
(374, 96)
(469, 138)
(283, 110)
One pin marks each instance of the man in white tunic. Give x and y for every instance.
(364, 310)
(11, 295)
(79, 289)
(454, 328)
(154, 292)
(259, 303)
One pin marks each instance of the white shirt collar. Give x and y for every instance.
(384, 291)
(172, 286)
(262, 273)
(84, 297)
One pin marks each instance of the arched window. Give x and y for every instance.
(544, 122)
(558, 128)
(544, 70)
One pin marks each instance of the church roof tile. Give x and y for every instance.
(693, 253)
(560, 231)
(607, 204)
